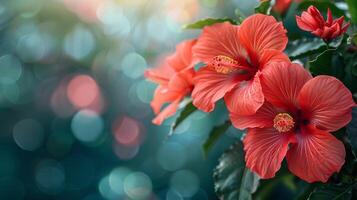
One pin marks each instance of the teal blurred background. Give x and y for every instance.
(74, 105)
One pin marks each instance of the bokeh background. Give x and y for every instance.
(74, 105)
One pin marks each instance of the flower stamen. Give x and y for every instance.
(283, 122)
(224, 64)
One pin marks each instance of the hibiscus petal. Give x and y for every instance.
(282, 82)
(162, 95)
(182, 58)
(246, 98)
(166, 112)
(259, 32)
(326, 102)
(263, 118)
(303, 24)
(316, 155)
(220, 39)
(271, 55)
(161, 74)
(211, 86)
(182, 82)
(265, 150)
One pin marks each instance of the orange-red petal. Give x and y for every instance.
(263, 118)
(211, 86)
(162, 95)
(260, 32)
(166, 112)
(282, 82)
(316, 155)
(246, 98)
(269, 56)
(220, 39)
(182, 58)
(265, 149)
(326, 102)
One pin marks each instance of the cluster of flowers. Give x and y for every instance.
(287, 112)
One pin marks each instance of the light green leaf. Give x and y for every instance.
(305, 47)
(352, 7)
(263, 7)
(207, 22)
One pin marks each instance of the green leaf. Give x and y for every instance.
(249, 184)
(240, 15)
(329, 62)
(322, 6)
(309, 46)
(207, 22)
(351, 130)
(352, 7)
(188, 109)
(305, 47)
(322, 63)
(215, 134)
(263, 7)
(350, 79)
(232, 180)
(332, 192)
(354, 39)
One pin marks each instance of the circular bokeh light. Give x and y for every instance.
(185, 182)
(137, 185)
(10, 69)
(116, 179)
(171, 156)
(50, 176)
(28, 134)
(126, 131)
(133, 65)
(82, 90)
(87, 126)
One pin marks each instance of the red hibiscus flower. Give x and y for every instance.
(295, 122)
(314, 22)
(234, 57)
(175, 79)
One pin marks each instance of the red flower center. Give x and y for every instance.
(283, 122)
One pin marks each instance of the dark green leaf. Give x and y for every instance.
(215, 134)
(232, 180)
(186, 111)
(352, 7)
(353, 39)
(322, 6)
(207, 22)
(263, 7)
(322, 63)
(305, 47)
(351, 130)
(330, 62)
(332, 192)
(350, 79)
(249, 184)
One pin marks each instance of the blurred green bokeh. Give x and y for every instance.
(74, 105)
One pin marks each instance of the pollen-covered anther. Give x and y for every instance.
(224, 64)
(283, 122)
